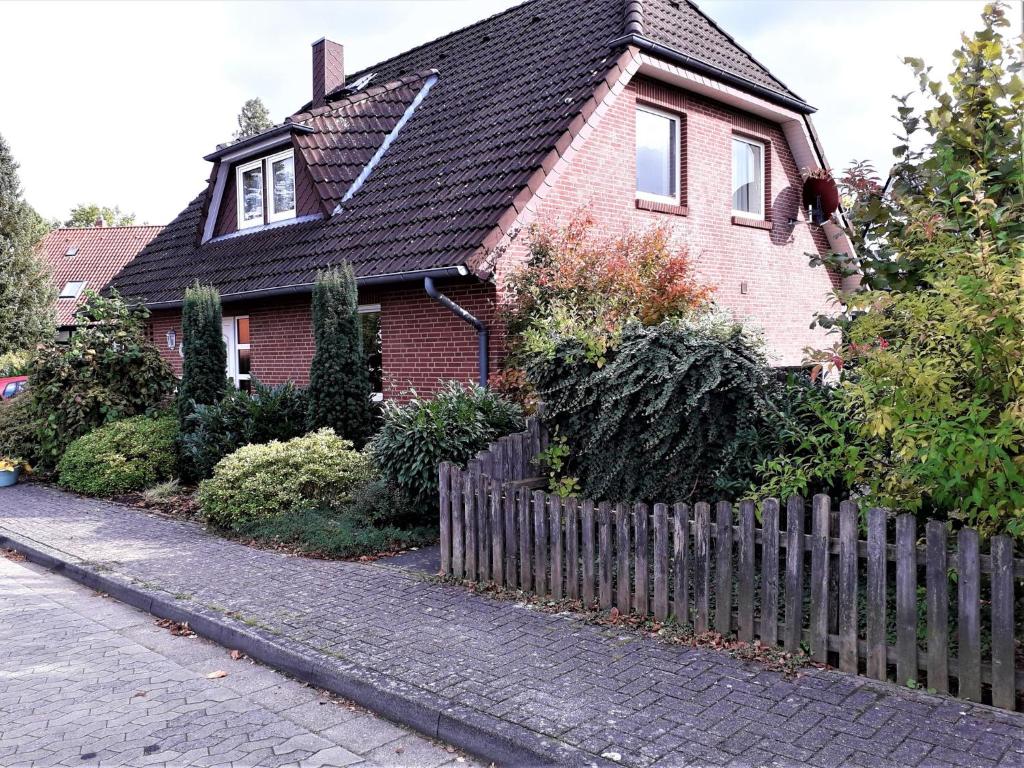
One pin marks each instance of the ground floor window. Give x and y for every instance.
(370, 316)
(239, 350)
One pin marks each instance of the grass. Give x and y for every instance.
(334, 534)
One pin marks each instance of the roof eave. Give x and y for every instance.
(252, 143)
(704, 68)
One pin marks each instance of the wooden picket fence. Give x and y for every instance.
(734, 571)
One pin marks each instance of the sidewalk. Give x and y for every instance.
(510, 684)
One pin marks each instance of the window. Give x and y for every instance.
(71, 252)
(370, 316)
(657, 155)
(239, 349)
(747, 177)
(72, 290)
(266, 190)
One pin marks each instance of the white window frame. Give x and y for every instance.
(74, 294)
(369, 309)
(232, 348)
(677, 130)
(268, 180)
(240, 194)
(759, 215)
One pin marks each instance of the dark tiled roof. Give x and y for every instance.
(507, 90)
(99, 252)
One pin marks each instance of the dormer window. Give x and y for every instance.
(266, 190)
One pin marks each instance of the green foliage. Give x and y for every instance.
(254, 118)
(26, 293)
(18, 429)
(454, 425)
(240, 418)
(670, 416)
(203, 377)
(107, 371)
(339, 379)
(86, 214)
(15, 363)
(379, 503)
(335, 534)
(126, 455)
(553, 461)
(279, 478)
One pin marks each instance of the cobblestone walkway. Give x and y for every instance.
(577, 689)
(87, 681)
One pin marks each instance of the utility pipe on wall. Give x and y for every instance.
(481, 329)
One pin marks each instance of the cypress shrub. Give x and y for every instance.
(203, 373)
(339, 380)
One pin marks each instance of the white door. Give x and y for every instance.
(231, 345)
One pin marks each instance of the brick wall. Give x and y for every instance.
(782, 292)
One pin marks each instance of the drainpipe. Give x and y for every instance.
(481, 329)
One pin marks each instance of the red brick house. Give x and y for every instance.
(86, 258)
(421, 170)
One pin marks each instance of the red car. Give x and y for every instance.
(12, 385)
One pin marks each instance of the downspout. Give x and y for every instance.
(481, 329)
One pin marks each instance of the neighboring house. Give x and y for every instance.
(82, 258)
(421, 171)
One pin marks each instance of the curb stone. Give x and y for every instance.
(483, 736)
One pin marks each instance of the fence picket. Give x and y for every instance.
(969, 625)
(588, 553)
(510, 511)
(1003, 688)
(623, 524)
(517, 445)
(821, 520)
(483, 523)
(848, 586)
(833, 575)
(660, 562)
(680, 563)
(876, 594)
(445, 510)
(525, 538)
(745, 593)
(555, 513)
(458, 525)
(701, 565)
(723, 568)
(937, 580)
(906, 599)
(769, 628)
(641, 598)
(469, 508)
(793, 628)
(540, 543)
(572, 549)
(604, 560)
(497, 535)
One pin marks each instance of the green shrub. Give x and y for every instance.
(240, 418)
(262, 481)
(15, 363)
(205, 362)
(106, 372)
(18, 428)
(126, 455)
(674, 413)
(454, 425)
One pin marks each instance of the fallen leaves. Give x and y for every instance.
(176, 628)
(237, 655)
(217, 675)
(13, 554)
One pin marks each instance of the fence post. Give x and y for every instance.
(968, 599)
(769, 628)
(555, 511)
(445, 510)
(572, 549)
(793, 630)
(641, 600)
(906, 599)
(876, 594)
(510, 511)
(483, 519)
(847, 609)
(458, 524)
(622, 537)
(660, 562)
(588, 553)
(1003, 684)
(540, 543)
(604, 559)
(937, 579)
(745, 593)
(469, 506)
(680, 563)
(525, 535)
(497, 535)
(819, 577)
(723, 568)
(701, 555)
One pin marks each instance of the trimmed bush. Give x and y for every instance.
(262, 481)
(454, 425)
(18, 428)
(127, 455)
(204, 367)
(240, 418)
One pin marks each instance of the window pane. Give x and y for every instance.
(243, 330)
(655, 154)
(252, 194)
(283, 174)
(372, 349)
(747, 193)
(243, 362)
(245, 385)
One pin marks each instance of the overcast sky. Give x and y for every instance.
(117, 103)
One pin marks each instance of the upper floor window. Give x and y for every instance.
(266, 190)
(747, 177)
(657, 155)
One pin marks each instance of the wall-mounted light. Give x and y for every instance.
(172, 339)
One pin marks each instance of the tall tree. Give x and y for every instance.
(26, 294)
(88, 214)
(203, 379)
(339, 380)
(254, 118)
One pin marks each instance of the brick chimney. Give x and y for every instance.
(328, 69)
(99, 222)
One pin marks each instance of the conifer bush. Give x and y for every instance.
(203, 379)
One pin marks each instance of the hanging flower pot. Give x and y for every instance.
(821, 195)
(10, 470)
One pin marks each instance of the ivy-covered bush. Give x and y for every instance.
(279, 478)
(241, 418)
(127, 455)
(18, 428)
(454, 425)
(107, 371)
(675, 412)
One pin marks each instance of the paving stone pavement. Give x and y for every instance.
(575, 687)
(88, 681)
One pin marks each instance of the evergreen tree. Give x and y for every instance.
(203, 378)
(339, 381)
(254, 118)
(26, 294)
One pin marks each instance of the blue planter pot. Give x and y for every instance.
(9, 477)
